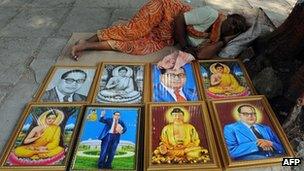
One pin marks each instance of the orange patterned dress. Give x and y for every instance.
(150, 30)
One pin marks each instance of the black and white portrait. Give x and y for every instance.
(69, 85)
(121, 84)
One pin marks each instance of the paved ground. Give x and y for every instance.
(34, 32)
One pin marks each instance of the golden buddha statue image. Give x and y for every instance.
(42, 141)
(222, 82)
(179, 141)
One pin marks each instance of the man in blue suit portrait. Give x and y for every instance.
(248, 140)
(171, 87)
(110, 137)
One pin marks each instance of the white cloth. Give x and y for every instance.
(201, 18)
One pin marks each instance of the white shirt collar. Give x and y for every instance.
(61, 95)
(171, 91)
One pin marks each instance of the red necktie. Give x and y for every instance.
(115, 127)
(179, 97)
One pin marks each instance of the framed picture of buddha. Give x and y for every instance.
(109, 139)
(179, 136)
(174, 85)
(222, 79)
(249, 133)
(68, 84)
(120, 83)
(43, 138)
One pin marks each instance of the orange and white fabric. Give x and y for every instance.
(150, 30)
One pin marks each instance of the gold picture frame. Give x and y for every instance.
(49, 82)
(241, 83)
(189, 90)
(204, 129)
(266, 124)
(129, 124)
(21, 155)
(104, 98)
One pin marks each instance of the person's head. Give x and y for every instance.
(173, 78)
(219, 68)
(71, 81)
(178, 115)
(116, 115)
(247, 114)
(50, 117)
(234, 24)
(122, 71)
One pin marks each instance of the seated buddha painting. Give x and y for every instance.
(121, 84)
(45, 137)
(180, 137)
(224, 79)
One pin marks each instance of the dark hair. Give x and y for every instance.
(53, 112)
(245, 105)
(238, 23)
(163, 71)
(177, 110)
(123, 68)
(217, 65)
(116, 112)
(64, 75)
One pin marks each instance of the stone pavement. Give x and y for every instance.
(34, 32)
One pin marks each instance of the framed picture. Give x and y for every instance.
(179, 136)
(108, 139)
(174, 85)
(120, 83)
(222, 79)
(68, 84)
(249, 132)
(43, 138)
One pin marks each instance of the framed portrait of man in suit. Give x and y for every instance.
(109, 139)
(174, 85)
(222, 79)
(43, 138)
(179, 136)
(249, 132)
(121, 83)
(68, 84)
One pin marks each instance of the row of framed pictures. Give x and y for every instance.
(235, 133)
(137, 83)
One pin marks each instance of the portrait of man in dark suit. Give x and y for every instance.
(65, 90)
(248, 140)
(110, 137)
(171, 87)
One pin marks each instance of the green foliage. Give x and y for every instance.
(91, 163)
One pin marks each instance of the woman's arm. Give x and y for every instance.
(210, 51)
(181, 34)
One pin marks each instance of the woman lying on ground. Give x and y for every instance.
(201, 31)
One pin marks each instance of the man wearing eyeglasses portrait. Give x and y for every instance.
(172, 87)
(65, 91)
(248, 140)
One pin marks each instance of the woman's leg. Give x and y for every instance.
(89, 45)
